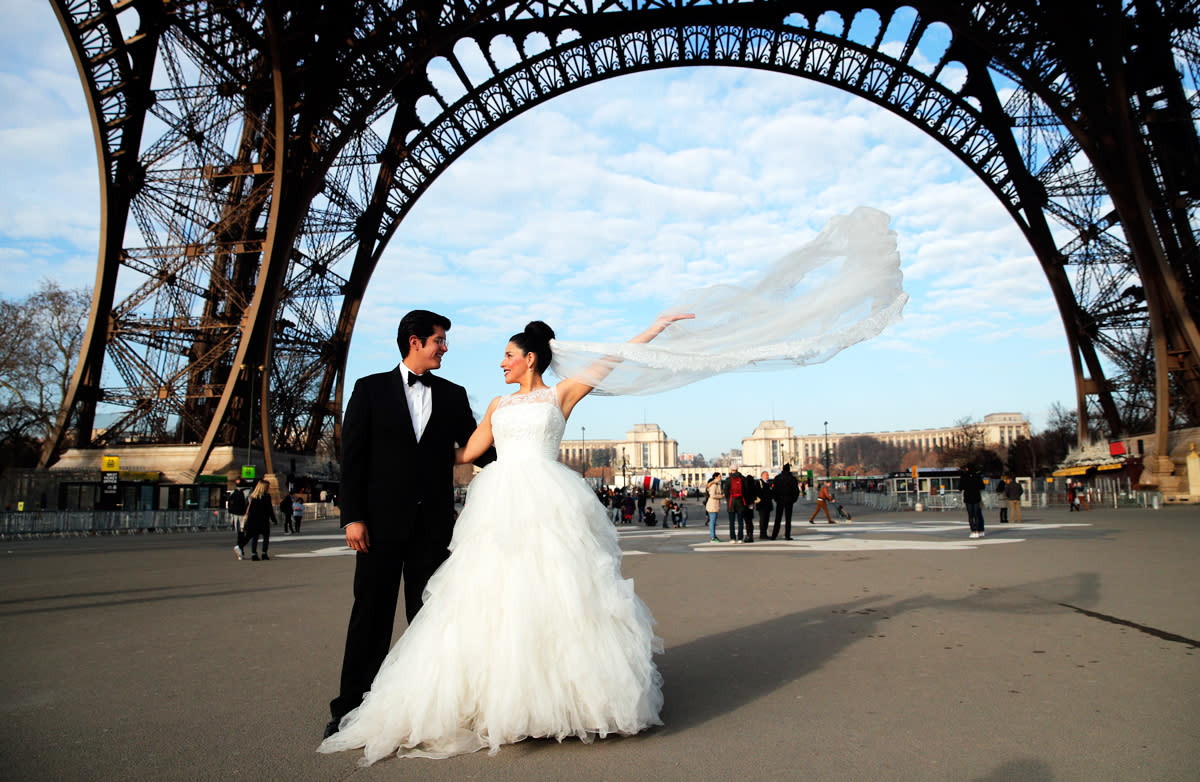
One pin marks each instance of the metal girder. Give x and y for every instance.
(243, 140)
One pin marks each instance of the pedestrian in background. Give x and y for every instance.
(734, 488)
(713, 505)
(766, 496)
(1001, 500)
(1013, 492)
(235, 503)
(787, 491)
(823, 500)
(972, 493)
(285, 510)
(297, 513)
(260, 515)
(750, 490)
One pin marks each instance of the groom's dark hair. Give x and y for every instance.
(419, 324)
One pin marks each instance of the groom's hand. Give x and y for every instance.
(357, 537)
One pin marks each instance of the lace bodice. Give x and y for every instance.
(528, 425)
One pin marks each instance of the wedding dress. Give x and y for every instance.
(528, 629)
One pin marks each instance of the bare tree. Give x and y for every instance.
(869, 453)
(39, 345)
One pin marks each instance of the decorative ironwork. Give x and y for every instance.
(266, 154)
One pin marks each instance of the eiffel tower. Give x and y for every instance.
(256, 158)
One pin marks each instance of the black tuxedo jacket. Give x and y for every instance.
(387, 473)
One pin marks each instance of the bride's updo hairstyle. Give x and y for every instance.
(535, 339)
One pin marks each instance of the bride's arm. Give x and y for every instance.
(481, 439)
(572, 389)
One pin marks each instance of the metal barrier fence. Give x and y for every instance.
(878, 501)
(1096, 497)
(118, 522)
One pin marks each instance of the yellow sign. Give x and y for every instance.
(248, 471)
(110, 463)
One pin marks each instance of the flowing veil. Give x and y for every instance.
(843, 287)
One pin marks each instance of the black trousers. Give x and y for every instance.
(783, 509)
(244, 537)
(377, 579)
(764, 518)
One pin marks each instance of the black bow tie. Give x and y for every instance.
(414, 379)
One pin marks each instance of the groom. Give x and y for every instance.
(398, 440)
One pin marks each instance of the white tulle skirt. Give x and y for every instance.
(528, 630)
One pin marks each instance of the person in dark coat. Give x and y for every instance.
(787, 491)
(628, 506)
(766, 497)
(1000, 487)
(260, 515)
(285, 510)
(750, 492)
(971, 484)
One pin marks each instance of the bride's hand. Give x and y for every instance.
(660, 325)
(572, 389)
(667, 320)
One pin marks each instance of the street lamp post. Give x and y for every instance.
(827, 454)
(250, 411)
(583, 454)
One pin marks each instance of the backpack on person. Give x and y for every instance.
(237, 503)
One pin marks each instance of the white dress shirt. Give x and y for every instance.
(420, 403)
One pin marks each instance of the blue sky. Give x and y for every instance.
(593, 211)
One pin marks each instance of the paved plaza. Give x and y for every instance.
(893, 648)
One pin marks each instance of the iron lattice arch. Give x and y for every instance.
(265, 154)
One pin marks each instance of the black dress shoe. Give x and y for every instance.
(331, 728)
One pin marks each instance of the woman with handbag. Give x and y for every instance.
(260, 515)
(713, 505)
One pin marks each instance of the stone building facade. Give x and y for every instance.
(773, 443)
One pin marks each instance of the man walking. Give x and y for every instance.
(823, 500)
(398, 440)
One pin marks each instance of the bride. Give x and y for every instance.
(529, 628)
